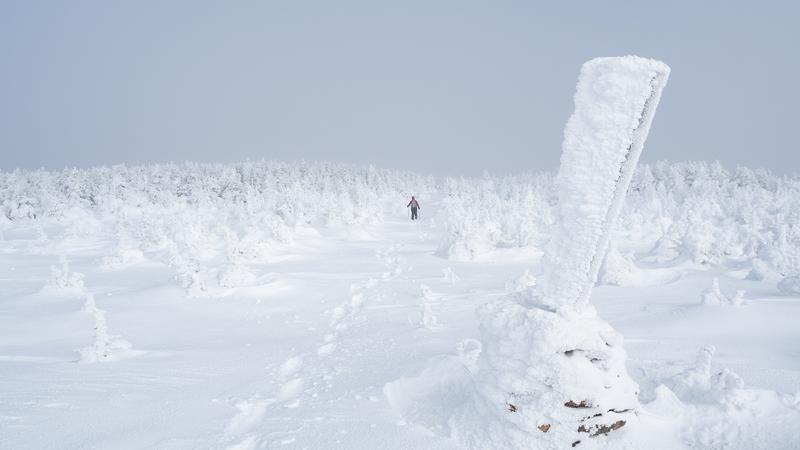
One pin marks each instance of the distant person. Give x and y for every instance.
(414, 205)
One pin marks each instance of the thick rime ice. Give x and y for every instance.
(615, 103)
(551, 371)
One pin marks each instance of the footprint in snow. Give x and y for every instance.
(326, 349)
(250, 414)
(290, 391)
(291, 366)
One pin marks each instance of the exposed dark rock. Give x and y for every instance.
(597, 430)
(582, 404)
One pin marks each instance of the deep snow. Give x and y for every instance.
(300, 357)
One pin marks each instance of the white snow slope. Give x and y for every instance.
(223, 334)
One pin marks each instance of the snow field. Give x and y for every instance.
(238, 364)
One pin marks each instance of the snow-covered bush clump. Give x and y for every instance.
(618, 269)
(494, 212)
(706, 214)
(521, 283)
(695, 212)
(106, 347)
(450, 275)
(702, 385)
(63, 280)
(715, 297)
(188, 215)
(126, 252)
(428, 319)
(790, 286)
(299, 194)
(236, 273)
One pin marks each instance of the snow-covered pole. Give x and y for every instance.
(615, 102)
(551, 370)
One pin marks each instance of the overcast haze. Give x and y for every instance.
(441, 87)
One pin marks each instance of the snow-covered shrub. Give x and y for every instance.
(183, 214)
(189, 272)
(618, 269)
(126, 252)
(715, 297)
(521, 283)
(428, 319)
(64, 281)
(106, 347)
(790, 286)
(762, 271)
(699, 384)
(494, 212)
(468, 235)
(450, 275)
(709, 215)
(695, 211)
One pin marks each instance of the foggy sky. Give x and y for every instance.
(439, 87)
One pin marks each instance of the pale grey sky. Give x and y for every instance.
(449, 87)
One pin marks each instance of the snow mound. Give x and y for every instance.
(714, 296)
(618, 269)
(106, 347)
(706, 408)
(790, 286)
(64, 281)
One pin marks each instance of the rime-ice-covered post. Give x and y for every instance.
(615, 102)
(552, 373)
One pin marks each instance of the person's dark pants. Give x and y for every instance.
(413, 213)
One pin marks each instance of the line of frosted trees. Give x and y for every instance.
(695, 211)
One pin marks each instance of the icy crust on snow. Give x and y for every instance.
(615, 102)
